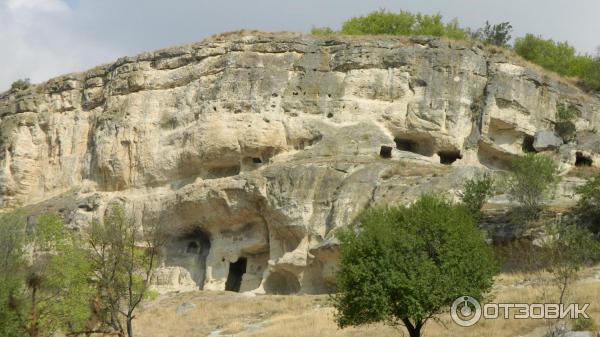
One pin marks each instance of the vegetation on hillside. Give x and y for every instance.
(559, 57)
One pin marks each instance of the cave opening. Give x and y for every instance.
(385, 152)
(237, 270)
(527, 146)
(582, 160)
(449, 157)
(406, 145)
(282, 283)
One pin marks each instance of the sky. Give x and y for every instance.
(41, 39)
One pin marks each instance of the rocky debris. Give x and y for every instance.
(255, 148)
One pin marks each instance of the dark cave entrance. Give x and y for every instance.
(527, 146)
(236, 270)
(385, 152)
(581, 160)
(449, 157)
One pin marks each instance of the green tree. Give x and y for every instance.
(123, 267)
(476, 192)
(588, 206)
(51, 290)
(405, 265)
(532, 178)
(497, 34)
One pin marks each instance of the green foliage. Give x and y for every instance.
(383, 22)
(584, 324)
(322, 31)
(497, 34)
(20, 84)
(565, 114)
(532, 178)
(403, 265)
(588, 206)
(48, 291)
(12, 245)
(559, 57)
(476, 192)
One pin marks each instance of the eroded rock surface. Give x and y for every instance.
(255, 148)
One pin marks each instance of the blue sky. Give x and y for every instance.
(45, 38)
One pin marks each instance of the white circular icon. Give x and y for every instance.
(465, 311)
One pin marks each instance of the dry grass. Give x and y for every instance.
(313, 316)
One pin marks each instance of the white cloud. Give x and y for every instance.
(38, 5)
(40, 41)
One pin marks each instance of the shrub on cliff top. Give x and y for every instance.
(383, 22)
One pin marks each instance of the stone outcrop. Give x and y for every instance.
(254, 148)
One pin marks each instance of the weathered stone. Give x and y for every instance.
(546, 140)
(255, 148)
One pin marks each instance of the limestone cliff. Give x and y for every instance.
(253, 148)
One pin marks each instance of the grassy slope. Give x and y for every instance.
(312, 316)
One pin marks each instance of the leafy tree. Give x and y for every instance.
(49, 292)
(123, 267)
(383, 22)
(588, 206)
(497, 34)
(476, 192)
(532, 178)
(20, 84)
(404, 265)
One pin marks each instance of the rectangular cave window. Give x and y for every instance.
(236, 271)
(385, 152)
(449, 157)
(581, 160)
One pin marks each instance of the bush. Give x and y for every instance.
(476, 192)
(322, 31)
(532, 178)
(559, 57)
(565, 113)
(588, 206)
(407, 264)
(21, 84)
(383, 22)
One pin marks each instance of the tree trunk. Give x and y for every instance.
(129, 326)
(413, 330)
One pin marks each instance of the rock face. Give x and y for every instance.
(254, 148)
